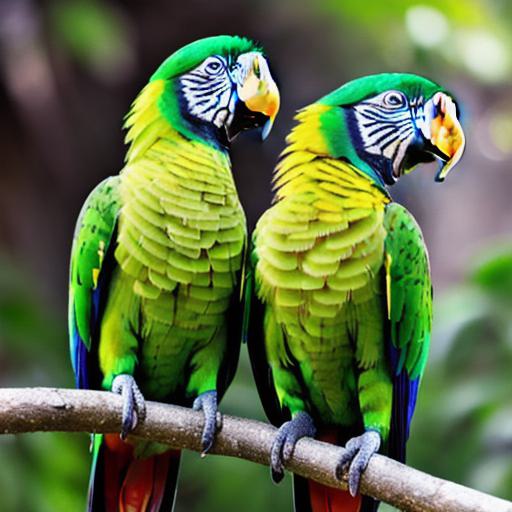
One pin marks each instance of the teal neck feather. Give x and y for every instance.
(170, 104)
(333, 124)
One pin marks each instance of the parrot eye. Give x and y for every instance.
(394, 99)
(213, 66)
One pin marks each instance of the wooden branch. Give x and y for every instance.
(45, 409)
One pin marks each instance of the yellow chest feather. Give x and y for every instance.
(322, 243)
(181, 220)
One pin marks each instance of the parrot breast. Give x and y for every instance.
(181, 236)
(320, 250)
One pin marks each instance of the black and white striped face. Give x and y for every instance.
(231, 94)
(209, 91)
(388, 126)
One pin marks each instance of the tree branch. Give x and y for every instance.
(45, 409)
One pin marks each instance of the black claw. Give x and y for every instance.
(276, 476)
(134, 406)
(207, 402)
(289, 433)
(359, 450)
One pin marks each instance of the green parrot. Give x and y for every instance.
(342, 309)
(154, 297)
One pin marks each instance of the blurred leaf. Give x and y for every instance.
(375, 12)
(495, 274)
(47, 471)
(32, 337)
(464, 414)
(96, 34)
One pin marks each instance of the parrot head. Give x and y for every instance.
(221, 85)
(393, 122)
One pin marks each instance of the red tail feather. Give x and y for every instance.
(135, 485)
(328, 499)
(160, 478)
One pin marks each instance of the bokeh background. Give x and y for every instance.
(69, 70)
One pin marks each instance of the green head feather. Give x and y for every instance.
(191, 55)
(361, 88)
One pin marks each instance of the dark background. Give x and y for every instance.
(69, 70)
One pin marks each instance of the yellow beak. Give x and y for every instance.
(259, 92)
(446, 132)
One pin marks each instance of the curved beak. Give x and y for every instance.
(444, 131)
(259, 92)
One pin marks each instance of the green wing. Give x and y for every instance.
(409, 302)
(409, 290)
(91, 264)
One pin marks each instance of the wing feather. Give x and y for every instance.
(410, 317)
(91, 262)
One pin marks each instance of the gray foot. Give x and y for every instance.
(359, 451)
(134, 406)
(207, 402)
(287, 436)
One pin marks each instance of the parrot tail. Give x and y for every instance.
(310, 496)
(120, 482)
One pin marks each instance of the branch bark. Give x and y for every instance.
(45, 409)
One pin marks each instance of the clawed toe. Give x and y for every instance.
(134, 406)
(289, 433)
(359, 450)
(207, 402)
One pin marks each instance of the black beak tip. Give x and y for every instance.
(439, 178)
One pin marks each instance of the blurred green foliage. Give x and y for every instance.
(39, 472)
(472, 36)
(466, 12)
(463, 427)
(94, 33)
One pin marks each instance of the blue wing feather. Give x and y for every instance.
(79, 351)
(80, 367)
(405, 393)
